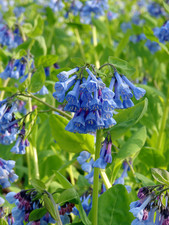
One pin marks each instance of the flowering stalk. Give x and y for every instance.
(96, 179)
(79, 41)
(32, 156)
(3, 91)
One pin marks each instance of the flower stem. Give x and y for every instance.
(71, 169)
(163, 123)
(50, 106)
(105, 179)
(95, 44)
(79, 41)
(96, 179)
(4, 85)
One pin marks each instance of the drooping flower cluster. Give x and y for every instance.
(10, 128)
(151, 209)
(92, 102)
(9, 38)
(26, 202)
(7, 173)
(163, 32)
(105, 155)
(155, 9)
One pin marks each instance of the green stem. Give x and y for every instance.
(50, 106)
(71, 170)
(96, 179)
(105, 179)
(163, 123)
(79, 41)
(4, 85)
(95, 44)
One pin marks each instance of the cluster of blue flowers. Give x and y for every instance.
(9, 38)
(26, 202)
(7, 173)
(10, 128)
(17, 69)
(92, 102)
(150, 209)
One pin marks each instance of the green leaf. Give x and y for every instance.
(133, 144)
(37, 80)
(63, 181)
(122, 65)
(100, 25)
(3, 222)
(149, 34)
(69, 195)
(162, 176)
(113, 208)
(122, 44)
(50, 205)
(152, 157)
(47, 60)
(20, 54)
(37, 214)
(78, 61)
(166, 6)
(145, 181)
(72, 142)
(38, 27)
(39, 47)
(26, 45)
(38, 185)
(126, 118)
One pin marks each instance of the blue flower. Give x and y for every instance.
(64, 75)
(154, 9)
(152, 46)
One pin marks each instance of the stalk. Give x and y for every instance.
(96, 179)
(105, 179)
(79, 41)
(95, 44)
(163, 123)
(4, 85)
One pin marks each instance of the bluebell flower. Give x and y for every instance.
(73, 96)
(75, 7)
(111, 15)
(152, 46)
(83, 157)
(125, 26)
(137, 91)
(64, 75)
(90, 177)
(56, 5)
(155, 9)
(7, 174)
(43, 91)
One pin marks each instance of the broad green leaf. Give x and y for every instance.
(68, 141)
(39, 47)
(152, 157)
(3, 222)
(26, 45)
(38, 27)
(133, 144)
(113, 208)
(126, 118)
(46, 60)
(162, 176)
(122, 44)
(37, 80)
(78, 61)
(62, 180)
(69, 195)
(122, 66)
(38, 185)
(144, 180)
(37, 214)
(166, 6)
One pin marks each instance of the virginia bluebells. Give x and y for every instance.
(91, 101)
(152, 208)
(7, 173)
